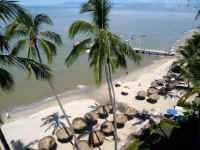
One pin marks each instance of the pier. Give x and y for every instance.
(153, 52)
(145, 51)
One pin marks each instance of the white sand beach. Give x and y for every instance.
(29, 127)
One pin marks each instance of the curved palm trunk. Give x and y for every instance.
(59, 103)
(3, 141)
(112, 101)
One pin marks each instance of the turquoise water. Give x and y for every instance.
(161, 25)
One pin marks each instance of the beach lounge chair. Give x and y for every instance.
(125, 91)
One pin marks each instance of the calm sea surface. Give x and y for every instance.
(161, 25)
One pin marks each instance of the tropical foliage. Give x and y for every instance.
(108, 52)
(188, 65)
(29, 36)
(8, 10)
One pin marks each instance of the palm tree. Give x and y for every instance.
(9, 10)
(28, 30)
(107, 51)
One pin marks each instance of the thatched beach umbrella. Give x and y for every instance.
(160, 82)
(141, 95)
(102, 112)
(153, 98)
(91, 117)
(151, 91)
(121, 120)
(130, 112)
(47, 143)
(108, 108)
(64, 135)
(83, 145)
(107, 128)
(79, 125)
(154, 84)
(96, 138)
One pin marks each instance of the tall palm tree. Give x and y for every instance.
(28, 30)
(9, 10)
(107, 51)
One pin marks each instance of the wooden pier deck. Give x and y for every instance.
(153, 52)
(145, 51)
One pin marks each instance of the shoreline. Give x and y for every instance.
(31, 122)
(88, 91)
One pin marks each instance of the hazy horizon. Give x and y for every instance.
(117, 2)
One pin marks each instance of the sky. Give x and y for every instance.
(57, 2)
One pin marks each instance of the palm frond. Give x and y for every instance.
(6, 80)
(15, 30)
(19, 45)
(81, 27)
(49, 49)
(41, 71)
(7, 60)
(42, 18)
(197, 15)
(52, 36)
(77, 51)
(9, 10)
(32, 51)
(99, 10)
(86, 7)
(122, 49)
(4, 45)
(97, 60)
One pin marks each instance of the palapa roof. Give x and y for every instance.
(130, 111)
(154, 97)
(96, 138)
(152, 91)
(154, 84)
(107, 127)
(47, 143)
(160, 81)
(121, 119)
(64, 133)
(101, 110)
(141, 93)
(91, 116)
(108, 108)
(79, 123)
(83, 145)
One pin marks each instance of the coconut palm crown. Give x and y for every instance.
(27, 29)
(105, 47)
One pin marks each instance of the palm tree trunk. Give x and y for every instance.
(3, 141)
(112, 103)
(59, 103)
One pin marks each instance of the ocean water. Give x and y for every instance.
(162, 25)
